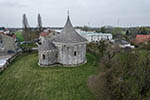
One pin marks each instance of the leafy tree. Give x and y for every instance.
(93, 48)
(103, 30)
(126, 78)
(117, 30)
(127, 33)
(143, 30)
(85, 28)
(102, 47)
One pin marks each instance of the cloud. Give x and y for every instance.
(14, 3)
(96, 12)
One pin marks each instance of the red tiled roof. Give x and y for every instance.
(6, 29)
(142, 38)
(43, 34)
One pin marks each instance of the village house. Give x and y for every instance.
(43, 36)
(142, 38)
(68, 48)
(7, 44)
(4, 30)
(96, 37)
(47, 34)
(123, 44)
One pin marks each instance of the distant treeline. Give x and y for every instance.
(35, 28)
(105, 29)
(118, 30)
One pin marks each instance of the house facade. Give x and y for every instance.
(47, 34)
(7, 44)
(96, 37)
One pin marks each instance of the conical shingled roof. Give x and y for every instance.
(47, 45)
(69, 35)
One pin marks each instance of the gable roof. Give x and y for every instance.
(9, 42)
(69, 35)
(142, 38)
(122, 42)
(43, 34)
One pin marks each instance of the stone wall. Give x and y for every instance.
(47, 57)
(72, 54)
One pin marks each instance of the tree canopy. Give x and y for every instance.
(123, 76)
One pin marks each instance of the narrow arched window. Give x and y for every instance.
(43, 56)
(75, 53)
(56, 55)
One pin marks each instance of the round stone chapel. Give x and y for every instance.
(67, 49)
(71, 46)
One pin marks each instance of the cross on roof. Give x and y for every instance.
(68, 12)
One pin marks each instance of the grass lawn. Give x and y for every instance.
(25, 80)
(19, 36)
(28, 46)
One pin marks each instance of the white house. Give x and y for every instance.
(96, 37)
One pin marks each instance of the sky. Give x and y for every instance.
(93, 13)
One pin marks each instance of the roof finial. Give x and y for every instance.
(68, 12)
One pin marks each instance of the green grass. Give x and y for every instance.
(19, 36)
(28, 46)
(25, 80)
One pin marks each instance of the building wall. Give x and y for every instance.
(8, 43)
(96, 37)
(48, 57)
(71, 54)
(41, 38)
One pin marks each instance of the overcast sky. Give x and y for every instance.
(82, 12)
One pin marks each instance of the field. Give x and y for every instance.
(19, 36)
(25, 80)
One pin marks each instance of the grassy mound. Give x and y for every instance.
(25, 80)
